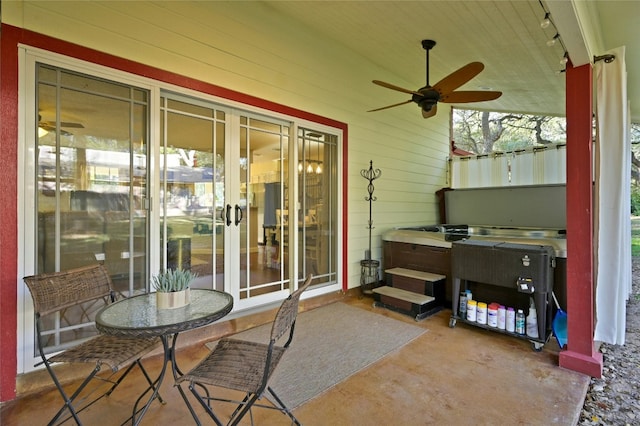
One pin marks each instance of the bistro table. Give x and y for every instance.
(138, 316)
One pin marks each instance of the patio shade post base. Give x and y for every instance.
(587, 364)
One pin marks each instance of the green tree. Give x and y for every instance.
(484, 132)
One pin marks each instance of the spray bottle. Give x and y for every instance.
(532, 320)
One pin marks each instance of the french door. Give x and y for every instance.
(222, 183)
(120, 171)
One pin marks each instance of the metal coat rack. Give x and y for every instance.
(369, 267)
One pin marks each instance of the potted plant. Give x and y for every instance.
(172, 288)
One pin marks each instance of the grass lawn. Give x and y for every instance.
(635, 236)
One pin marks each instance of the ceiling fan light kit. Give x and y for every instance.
(427, 97)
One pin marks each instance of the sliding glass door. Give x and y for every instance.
(222, 188)
(90, 180)
(122, 171)
(91, 176)
(224, 195)
(264, 184)
(192, 189)
(317, 204)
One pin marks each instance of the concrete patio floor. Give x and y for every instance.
(462, 375)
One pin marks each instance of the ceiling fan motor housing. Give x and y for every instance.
(428, 99)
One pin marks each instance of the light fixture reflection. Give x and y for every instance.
(319, 168)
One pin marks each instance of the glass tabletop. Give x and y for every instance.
(138, 316)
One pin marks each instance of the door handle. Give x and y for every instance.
(238, 214)
(228, 214)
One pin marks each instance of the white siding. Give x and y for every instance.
(247, 47)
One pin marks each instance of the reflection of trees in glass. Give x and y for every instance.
(483, 132)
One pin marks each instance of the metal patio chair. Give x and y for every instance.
(246, 366)
(70, 299)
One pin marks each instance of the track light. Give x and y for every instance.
(546, 21)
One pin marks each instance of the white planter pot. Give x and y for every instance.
(173, 300)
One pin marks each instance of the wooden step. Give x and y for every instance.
(419, 282)
(416, 305)
(405, 295)
(419, 275)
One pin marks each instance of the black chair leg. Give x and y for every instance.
(283, 407)
(68, 401)
(243, 403)
(205, 404)
(248, 402)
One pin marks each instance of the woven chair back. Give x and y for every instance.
(288, 312)
(54, 291)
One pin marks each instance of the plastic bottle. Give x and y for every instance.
(492, 315)
(471, 310)
(532, 320)
(520, 322)
(511, 320)
(463, 304)
(502, 317)
(481, 313)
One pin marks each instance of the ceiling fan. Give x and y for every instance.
(50, 126)
(428, 96)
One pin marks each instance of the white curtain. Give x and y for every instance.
(613, 211)
(534, 166)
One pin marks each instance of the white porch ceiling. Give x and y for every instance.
(505, 35)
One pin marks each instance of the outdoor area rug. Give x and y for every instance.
(330, 344)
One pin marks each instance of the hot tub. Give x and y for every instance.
(444, 235)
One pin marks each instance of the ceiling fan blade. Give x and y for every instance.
(431, 112)
(71, 124)
(64, 124)
(399, 89)
(49, 128)
(463, 96)
(458, 78)
(390, 106)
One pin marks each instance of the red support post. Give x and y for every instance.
(580, 354)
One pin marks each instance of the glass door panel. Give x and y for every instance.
(91, 182)
(92, 177)
(192, 190)
(263, 176)
(317, 203)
